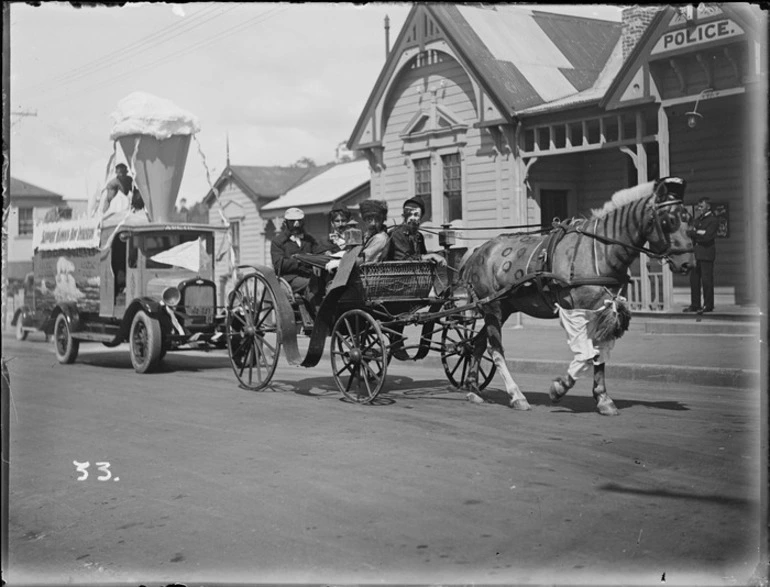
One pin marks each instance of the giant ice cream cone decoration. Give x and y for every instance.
(155, 137)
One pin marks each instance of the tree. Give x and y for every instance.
(304, 162)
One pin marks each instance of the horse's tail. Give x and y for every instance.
(610, 322)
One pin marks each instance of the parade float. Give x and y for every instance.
(126, 274)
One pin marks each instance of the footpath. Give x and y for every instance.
(720, 351)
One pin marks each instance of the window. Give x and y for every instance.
(453, 193)
(235, 239)
(422, 184)
(25, 221)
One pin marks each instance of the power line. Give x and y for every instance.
(211, 40)
(142, 45)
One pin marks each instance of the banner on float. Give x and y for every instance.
(67, 235)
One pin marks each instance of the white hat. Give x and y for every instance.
(294, 214)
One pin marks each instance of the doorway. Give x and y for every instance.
(553, 205)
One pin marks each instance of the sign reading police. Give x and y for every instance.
(698, 35)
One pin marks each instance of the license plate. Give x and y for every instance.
(201, 311)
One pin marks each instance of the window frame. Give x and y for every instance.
(235, 239)
(23, 221)
(448, 194)
(426, 197)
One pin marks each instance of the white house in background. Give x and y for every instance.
(29, 205)
(241, 193)
(346, 183)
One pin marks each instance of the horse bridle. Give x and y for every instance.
(655, 223)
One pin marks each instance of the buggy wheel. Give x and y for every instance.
(66, 347)
(359, 356)
(144, 342)
(457, 341)
(253, 342)
(21, 334)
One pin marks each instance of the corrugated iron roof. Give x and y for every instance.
(23, 189)
(324, 188)
(263, 182)
(270, 182)
(592, 94)
(531, 57)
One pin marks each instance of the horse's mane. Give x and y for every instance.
(623, 197)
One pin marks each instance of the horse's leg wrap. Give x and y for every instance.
(604, 404)
(559, 388)
(493, 321)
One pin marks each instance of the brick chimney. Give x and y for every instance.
(635, 20)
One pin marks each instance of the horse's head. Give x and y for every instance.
(668, 225)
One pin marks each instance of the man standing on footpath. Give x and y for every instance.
(703, 234)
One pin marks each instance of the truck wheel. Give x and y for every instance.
(145, 342)
(21, 334)
(66, 347)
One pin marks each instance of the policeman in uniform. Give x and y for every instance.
(703, 234)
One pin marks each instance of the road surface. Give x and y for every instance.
(191, 479)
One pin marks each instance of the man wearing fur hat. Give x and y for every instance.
(406, 242)
(293, 239)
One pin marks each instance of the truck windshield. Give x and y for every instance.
(187, 250)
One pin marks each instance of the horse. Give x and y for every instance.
(577, 273)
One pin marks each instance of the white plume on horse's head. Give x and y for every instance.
(623, 197)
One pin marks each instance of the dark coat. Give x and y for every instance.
(703, 234)
(282, 249)
(404, 246)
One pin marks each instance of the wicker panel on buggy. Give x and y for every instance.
(397, 279)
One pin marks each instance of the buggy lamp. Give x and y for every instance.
(353, 236)
(446, 238)
(171, 296)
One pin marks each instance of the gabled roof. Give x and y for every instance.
(749, 17)
(262, 183)
(23, 189)
(323, 189)
(521, 58)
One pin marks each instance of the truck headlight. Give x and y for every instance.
(171, 296)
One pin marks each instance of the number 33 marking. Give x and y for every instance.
(83, 468)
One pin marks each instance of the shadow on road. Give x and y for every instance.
(718, 499)
(169, 364)
(396, 387)
(573, 404)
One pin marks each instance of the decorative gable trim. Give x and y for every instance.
(425, 41)
(675, 32)
(233, 210)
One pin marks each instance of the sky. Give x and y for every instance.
(278, 81)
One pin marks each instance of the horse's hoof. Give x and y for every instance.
(557, 391)
(520, 404)
(607, 409)
(474, 398)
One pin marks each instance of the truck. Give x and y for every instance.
(151, 285)
(129, 275)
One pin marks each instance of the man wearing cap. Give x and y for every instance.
(406, 242)
(291, 240)
(703, 234)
